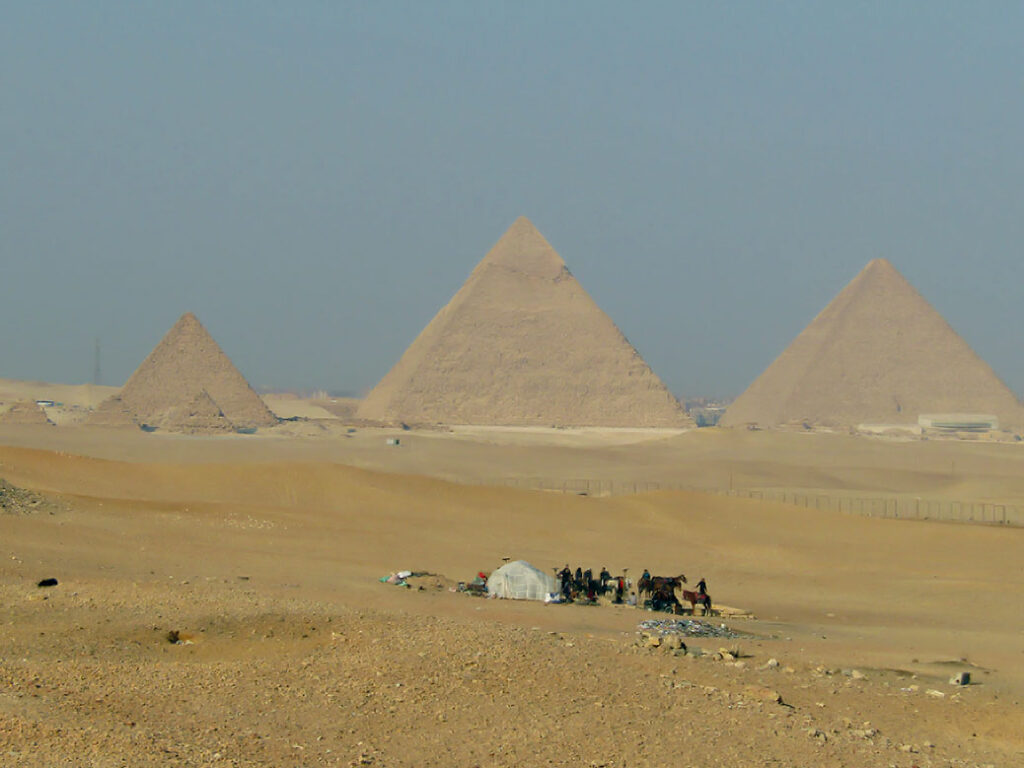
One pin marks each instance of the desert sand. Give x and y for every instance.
(263, 554)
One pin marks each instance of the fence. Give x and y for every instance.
(902, 506)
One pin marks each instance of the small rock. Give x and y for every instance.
(771, 664)
(51, 582)
(856, 674)
(936, 694)
(908, 748)
(960, 678)
(762, 693)
(673, 642)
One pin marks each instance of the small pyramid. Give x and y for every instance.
(25, 412)
(112, 413)
(522, 343)
(879, 354)
(185, 362)
(200, 416)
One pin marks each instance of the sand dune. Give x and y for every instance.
(267, 552)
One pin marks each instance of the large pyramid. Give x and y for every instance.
(521, 343)
(183, 365)
(881, 354)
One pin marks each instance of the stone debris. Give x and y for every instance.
(960, 678)
(686, 628)
(18, 501)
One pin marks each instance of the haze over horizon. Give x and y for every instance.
(316, 181)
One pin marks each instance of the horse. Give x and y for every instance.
(695, 598)
(653, 583)
(664, 598)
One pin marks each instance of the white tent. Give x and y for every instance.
(519, 580)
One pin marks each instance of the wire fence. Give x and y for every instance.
(902, 506)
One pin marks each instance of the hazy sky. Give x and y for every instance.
(316, 179)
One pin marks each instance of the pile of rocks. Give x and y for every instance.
(685, 627)
(18, 501)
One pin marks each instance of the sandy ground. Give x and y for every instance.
(264, 553)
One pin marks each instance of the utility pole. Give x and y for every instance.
(97, 376)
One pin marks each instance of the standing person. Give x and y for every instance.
(605, 578)
(566, 577)
(579, 578)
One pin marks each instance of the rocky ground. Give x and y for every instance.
(19, 501)
(175, 673)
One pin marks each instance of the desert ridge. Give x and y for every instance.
(522, 344)
(879, 353)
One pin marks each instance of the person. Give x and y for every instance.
(579, 578)
(702, 586)
(620, 588)
(605, 578)
(646, 575)
(566, 577)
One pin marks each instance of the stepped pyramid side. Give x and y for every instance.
(114, 413)
(522, 343)
(25, 412)
(185, 362)
(878, 353)
(201, 415)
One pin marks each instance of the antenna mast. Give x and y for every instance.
(97, 376)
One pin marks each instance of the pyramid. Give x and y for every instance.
(200, 416)
(25, 412)
(186, 362)
(880, 354)
(521, 343)
(112, 412)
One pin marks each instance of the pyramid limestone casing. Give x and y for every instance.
(186, 362)
(880, 354)
(25, 412)
(521, 343)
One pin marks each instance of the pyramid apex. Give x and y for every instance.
(880, 264)
(189, 318)
(524, 249)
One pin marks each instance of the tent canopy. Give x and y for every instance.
(519, 580)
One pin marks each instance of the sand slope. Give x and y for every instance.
(308, 659)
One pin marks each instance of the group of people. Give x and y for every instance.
(580, 585)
